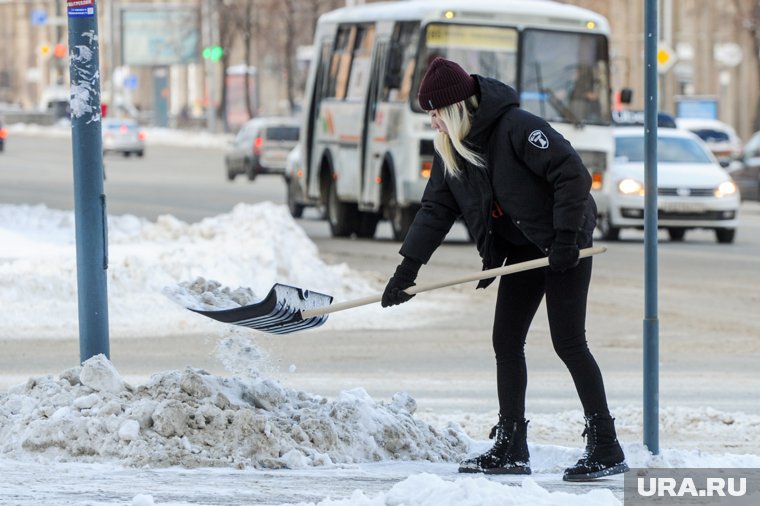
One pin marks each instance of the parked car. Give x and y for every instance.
(720, 137)
(3, 136)
(261, 147)
(122, 135)
(746, 170)
(693, 190)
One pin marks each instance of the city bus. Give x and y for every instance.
(366, 146)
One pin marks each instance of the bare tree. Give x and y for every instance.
(748, 19)
(227, 15)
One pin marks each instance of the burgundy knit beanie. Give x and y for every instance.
(445, 83)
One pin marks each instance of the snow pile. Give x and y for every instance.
(191, 418)
(431, 490)
(251, 248)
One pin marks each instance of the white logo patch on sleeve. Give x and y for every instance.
(538, 139)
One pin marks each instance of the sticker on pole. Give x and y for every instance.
(80, 8)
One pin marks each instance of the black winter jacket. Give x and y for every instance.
(532, 172)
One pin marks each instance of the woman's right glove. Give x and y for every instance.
(402, 279)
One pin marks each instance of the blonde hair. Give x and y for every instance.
(458, 120)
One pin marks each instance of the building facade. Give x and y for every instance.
(709, 48)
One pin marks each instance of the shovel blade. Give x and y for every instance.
(278, 313)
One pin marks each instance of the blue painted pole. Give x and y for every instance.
(89, 197)
(651, 319)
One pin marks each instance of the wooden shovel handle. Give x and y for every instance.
(490, 273)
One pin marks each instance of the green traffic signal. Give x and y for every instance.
(213, 53)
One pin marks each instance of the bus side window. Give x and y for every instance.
(340, 64)
(360, 66)
(401, 62)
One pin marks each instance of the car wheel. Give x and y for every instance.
(141, 153)
(725, 235)
(296, 209)
(342, 216)
(676, 234)
(250, 172)
(608, 230)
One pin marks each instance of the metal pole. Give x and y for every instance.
(651, 321)
(89, 198)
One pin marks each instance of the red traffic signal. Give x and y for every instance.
(59, 51)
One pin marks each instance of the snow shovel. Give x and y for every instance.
(288, 309)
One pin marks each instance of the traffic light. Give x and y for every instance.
(59, 51)
(45, 50)
(213, 53)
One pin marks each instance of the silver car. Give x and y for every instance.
(261, 147)
(123, 135)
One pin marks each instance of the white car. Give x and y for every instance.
(694, 191)
(720, 137)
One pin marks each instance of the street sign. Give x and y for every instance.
(130, 82)
(38, 17)
(728, 54)
(666, 57)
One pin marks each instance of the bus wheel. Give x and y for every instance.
(367, 225)
(296, 209)
(342, 216)
(400, 217)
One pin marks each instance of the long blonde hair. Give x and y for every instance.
(458, 120)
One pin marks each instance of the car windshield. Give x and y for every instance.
(712, 135)
(282, 133)
(669, 150)
(120, 126)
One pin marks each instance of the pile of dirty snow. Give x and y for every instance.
(191, 418)
(156, 269)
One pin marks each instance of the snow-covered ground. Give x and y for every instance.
(85, 435)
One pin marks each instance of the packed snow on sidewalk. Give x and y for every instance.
(84, 435)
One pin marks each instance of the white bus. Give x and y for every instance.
(366, 146)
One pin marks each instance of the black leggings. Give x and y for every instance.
(519, 297)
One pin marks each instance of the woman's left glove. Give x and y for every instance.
(402, 279)
(564, 252)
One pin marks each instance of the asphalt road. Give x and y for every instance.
(708, 298)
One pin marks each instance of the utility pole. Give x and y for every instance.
(89, 198)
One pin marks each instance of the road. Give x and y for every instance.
(708, 298)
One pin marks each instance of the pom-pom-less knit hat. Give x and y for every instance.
(445, 83)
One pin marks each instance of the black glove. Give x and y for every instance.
(402, 279)
(563, 254)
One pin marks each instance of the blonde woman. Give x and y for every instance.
(523, 193)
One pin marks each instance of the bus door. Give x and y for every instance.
(318, 92)
(373, 135)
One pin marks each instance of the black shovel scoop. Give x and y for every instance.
(288, 309)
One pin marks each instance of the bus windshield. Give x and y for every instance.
(564, 77)
(486, 50)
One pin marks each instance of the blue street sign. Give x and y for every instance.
(130, 82)
(39, 17)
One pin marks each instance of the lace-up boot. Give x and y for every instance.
(509, 454)
(603, 455)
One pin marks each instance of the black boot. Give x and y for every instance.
(509, 454)
(603, 455)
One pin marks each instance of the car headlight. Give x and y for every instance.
(726, 188)
(630, 187)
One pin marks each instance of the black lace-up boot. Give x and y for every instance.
(509, 454)
(603, 455)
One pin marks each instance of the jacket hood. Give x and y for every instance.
(495, 99)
